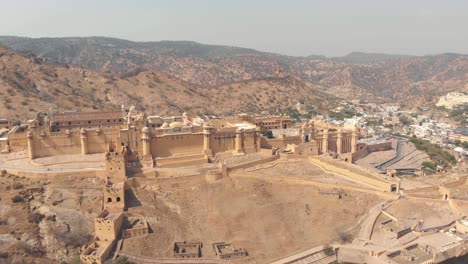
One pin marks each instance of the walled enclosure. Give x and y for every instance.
(143, 141)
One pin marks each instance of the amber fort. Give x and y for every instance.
(139, 159)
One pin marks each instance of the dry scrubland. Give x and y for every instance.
(54, 216)
(412, 80)
(27, 86)
(269, 220)
(46, 221)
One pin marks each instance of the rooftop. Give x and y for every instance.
(461, 130)
(106, 215)
(81, 116)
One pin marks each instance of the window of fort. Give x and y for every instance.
(109, 200)
(118, 199)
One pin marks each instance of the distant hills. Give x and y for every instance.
(29, 85)
(362, 57)
(411, 80)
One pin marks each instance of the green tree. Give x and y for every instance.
(464, 144)
(430, 165)
(267, 133)
(404, 120)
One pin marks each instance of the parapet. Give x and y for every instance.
(228, 251)
(94, 253)
(107, 225)
(134, 226)
(187, 249)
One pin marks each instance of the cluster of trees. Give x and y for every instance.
(430, 165)
(346, 113)
(434, 151)
(460, 113)
(404, 120)
(463, 144)
(267, 133)
(374, 122)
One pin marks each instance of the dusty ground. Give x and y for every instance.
(55, 163)
(55, 216)
(300, 169)
(432, 213)
(270, 221)
(49, 221)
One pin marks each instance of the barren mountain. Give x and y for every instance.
(376, 77)
(27, 85)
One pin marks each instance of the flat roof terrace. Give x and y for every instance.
(84, 116)
(106, 215)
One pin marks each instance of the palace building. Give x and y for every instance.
(157, 141)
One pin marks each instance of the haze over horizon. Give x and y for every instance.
(298, 28)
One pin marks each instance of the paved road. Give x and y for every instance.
(368, 224)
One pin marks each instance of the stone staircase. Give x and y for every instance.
(184, 160)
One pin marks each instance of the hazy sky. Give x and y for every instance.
(293, 27)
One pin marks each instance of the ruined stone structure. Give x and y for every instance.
(107, 227)
(135, 227)
(228, 251)
(114, 197)
(116, 165)
(108, 224)
(187, 249)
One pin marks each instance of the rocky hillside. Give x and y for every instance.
(375, 77)
(28, 85)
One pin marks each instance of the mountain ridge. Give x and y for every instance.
(28, 85)
(350, 54)
(391, 78)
